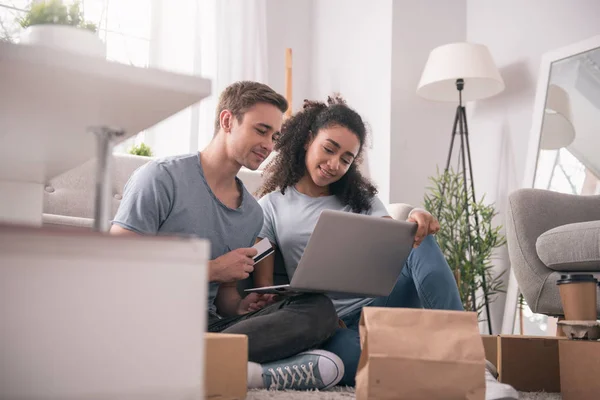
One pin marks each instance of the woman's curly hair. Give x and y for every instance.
(288, 167)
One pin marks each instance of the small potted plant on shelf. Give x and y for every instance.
(141, 150)
(53, 24)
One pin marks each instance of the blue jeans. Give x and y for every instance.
(425, 282)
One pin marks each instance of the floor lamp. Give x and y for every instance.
(461, 72)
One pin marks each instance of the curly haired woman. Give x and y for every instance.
(316, 169)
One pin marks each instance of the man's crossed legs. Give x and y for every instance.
(278, 339)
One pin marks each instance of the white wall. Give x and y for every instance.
(517, 34)
(352, 55)
(289, 24)
(373, 54)
(420, 129)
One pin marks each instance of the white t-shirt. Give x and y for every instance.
(290, 220)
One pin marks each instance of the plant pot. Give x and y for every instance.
(66, 38)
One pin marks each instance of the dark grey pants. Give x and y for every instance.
(283, 329)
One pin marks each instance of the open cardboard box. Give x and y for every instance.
(528, 363)
(226, 366)
(550, 364)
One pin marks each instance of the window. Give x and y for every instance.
(151, 33)
(560, 171)
(10, 12)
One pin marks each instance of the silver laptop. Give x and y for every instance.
(351, 255)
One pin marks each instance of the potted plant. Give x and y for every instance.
(467, 238)
(53, 24)
(141, 150)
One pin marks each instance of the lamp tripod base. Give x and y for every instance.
(460, 128)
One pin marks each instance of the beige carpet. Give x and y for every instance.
(348, 393)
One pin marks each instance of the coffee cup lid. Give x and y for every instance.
(576, 278)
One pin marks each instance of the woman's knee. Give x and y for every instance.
(429, 252)
(429, 243)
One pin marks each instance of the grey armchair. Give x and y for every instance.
(550, 233)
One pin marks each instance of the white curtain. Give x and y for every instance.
(239, 50)
(222, 40)
(241, 42)
(183, 40)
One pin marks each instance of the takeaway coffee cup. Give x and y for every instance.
(578, 296)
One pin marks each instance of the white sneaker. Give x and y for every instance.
(314, 369)
(495, 390)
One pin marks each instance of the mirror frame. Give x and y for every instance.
(540, 101)
(531, 161)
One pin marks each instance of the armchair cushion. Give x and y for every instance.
(571, 247)
(67, 221)
(399, 211)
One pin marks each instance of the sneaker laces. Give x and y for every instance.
(294, 377)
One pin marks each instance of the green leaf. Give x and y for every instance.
(468, 247)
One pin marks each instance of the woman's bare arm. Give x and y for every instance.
(263, 270)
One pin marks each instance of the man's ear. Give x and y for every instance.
(226, 120)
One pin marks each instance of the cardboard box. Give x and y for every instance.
(528, 363)
(490, 346)
(579, 369)
(226, 366)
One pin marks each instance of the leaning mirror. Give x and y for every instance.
(568, 159)
(564, 147)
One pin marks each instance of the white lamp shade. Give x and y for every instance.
(557, 129)
(471, 62)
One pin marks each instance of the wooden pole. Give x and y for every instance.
(559, 330)
(288, 80)
(521, 320)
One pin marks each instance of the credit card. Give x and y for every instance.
(264, 249)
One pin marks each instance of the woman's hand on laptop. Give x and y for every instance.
(255, 302)
(426, 225)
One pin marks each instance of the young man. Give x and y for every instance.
(200, 195)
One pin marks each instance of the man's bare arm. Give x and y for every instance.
(228, 299)
(119, 231)
(234, 265)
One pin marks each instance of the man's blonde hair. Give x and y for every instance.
(239, 97)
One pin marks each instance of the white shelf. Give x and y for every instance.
(49, 99)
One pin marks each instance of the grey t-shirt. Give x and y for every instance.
(290, 219)
(170, 196)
